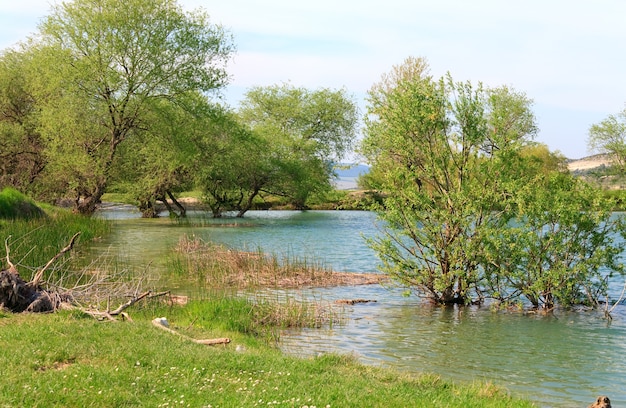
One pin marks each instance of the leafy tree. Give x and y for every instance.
(234, 165)
(551, 252)
(305, 131)
(609, 137)
(546, 160)
(159, 161)
(433, 145)
(111, 60)
(21, 148)
(473, 209)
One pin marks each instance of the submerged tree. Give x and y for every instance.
(234, 165)
(561, 247)
(163, 159)
(108, 61)
(456, 165)
(306, 132)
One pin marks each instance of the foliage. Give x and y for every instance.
(21, 156)
(234, 165)
(472, 208)
(305, 131)
(106, 62)
(552, 253)
(159, 162)
(609, 136)
(542, 156)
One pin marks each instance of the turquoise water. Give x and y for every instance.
(557, 360)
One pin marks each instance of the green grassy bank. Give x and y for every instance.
(65, 360)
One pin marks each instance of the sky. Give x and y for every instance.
(565, 55)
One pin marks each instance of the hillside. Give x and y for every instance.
(589, 162)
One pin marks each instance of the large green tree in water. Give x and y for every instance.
(468, 213)
(306, 132)
(109, 60)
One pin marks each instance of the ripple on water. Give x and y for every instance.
(556, 360)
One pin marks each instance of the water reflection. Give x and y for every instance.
(557, 360)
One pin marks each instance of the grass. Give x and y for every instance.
(15, 205)
(254, 316)
(34, 242)
(65, 360)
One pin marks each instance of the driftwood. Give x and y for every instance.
(111, 314)
(161, 323)
(18, 296)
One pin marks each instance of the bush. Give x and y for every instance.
(15, 205)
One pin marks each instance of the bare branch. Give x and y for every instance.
(39, 275)
(11, 266)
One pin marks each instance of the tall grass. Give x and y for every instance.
(256, 316)
(34, 242)
(222, 267)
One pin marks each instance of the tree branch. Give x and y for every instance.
(39, 274)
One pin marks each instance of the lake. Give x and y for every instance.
(558, 360)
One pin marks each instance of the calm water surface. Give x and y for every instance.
(561, 360)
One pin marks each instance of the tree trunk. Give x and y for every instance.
(87, 201)
(183, 210)
(246, 207)
(147, 209)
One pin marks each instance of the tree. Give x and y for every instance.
(158, 162)
(609, 137)
(234, 165)
(472, 209)
(427, 140)
(21, 148)
(544, 158)
(551, 252)
(306, 133)
(111, 59)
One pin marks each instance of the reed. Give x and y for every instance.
(219, 266)
(237, 284)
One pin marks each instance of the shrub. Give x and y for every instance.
(14, 205)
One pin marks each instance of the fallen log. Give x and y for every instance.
(161, 323)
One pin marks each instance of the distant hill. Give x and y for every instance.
(355, 170)
(347, 177)
(589, 162)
